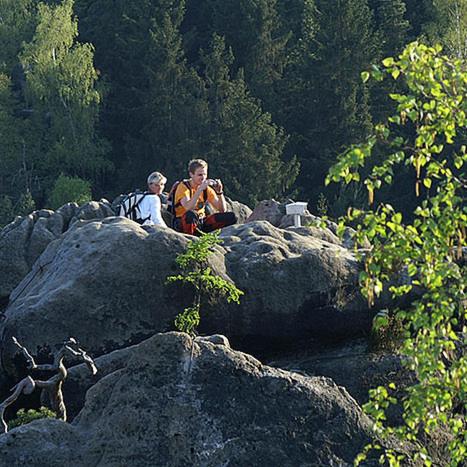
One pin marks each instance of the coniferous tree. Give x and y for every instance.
(391, 25)
(391, 35)
(14, 176)
(175, 107)
(419, 13)
(245, 146)
(338, 101)
(132, 53)
(255, 33)
(295, 89)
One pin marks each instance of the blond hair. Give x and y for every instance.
(156, 178)
(195, 164)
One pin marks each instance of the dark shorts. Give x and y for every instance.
(190, 222)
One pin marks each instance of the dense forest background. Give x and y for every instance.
(95, 94)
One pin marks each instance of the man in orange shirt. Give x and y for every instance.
(191, 197)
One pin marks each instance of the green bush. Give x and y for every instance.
(25, 204)
(322, 206)
(387, 331)
(69, 190)
(25, 416)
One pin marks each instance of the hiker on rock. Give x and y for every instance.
(191, 197)
(150, 205)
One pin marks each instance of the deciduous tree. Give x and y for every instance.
(428, 250)
(62, 96)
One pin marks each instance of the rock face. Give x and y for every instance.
(268, 210)
(206, 405)
(24, 240)
(296, 285)
(104, 283)
(351, 365)
(242, 211)
(101, 282)
(275, 213)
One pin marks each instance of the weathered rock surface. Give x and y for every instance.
(80, 379)
(275, 213)
(296, 285)
(103, 282)
(242, 211)
(268, 210)
(351, 365)
(24, 240)
(171, 404)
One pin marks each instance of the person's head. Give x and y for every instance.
(156, 183)
(198, 170)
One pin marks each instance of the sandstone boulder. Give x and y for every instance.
(296, 285)
(24, 240)
(268, 210)
(353, 365)
(104, 283)
(275, 213)
(171, 403)
(242, 211)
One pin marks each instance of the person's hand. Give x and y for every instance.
(205, 184)
(218, 187)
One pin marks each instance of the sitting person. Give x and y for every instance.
(191, 197)
(150, 206)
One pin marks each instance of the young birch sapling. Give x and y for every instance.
(426, 133)
(196, 272)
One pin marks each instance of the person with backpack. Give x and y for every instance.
(190, 198)
(150, 205)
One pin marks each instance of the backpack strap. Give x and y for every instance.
(187, 184)
(146, 193)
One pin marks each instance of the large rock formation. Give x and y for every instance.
(297, 284)
(104, 282)
(275, 213)
(352, 364)
(24, 240)
(175, 404)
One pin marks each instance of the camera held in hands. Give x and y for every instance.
(212, 182)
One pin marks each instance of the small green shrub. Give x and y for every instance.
(25, 204)
(69, 190)
(322, 206)
(195, 271)
(387, 332)
(25, 416)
